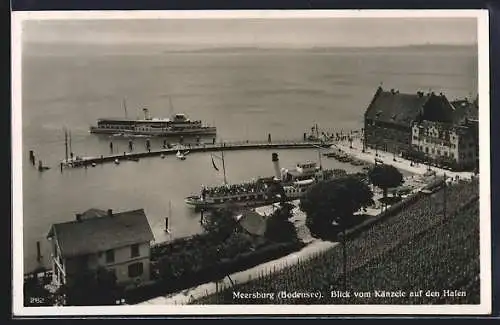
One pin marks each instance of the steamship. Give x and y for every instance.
(178, 125)
(294, 182)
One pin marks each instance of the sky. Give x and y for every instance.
(294, 33)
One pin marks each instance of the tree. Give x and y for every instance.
(220, 223)
(331, 204)
(91, 288)
(385, 176)
(278, 225)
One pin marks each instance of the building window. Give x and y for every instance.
(446, 154)
(433, 150)
(135, 270)
(439, 152)
(134, 250)
(110, 256)
(452, 155)
(426, 149)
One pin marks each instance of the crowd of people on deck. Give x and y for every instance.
(224, 190)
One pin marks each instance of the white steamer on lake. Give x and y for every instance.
(178, 125)
(262, 191)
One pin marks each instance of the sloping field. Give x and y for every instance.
(417, 249)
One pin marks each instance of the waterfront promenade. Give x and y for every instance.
(193, 148)
(388, 158)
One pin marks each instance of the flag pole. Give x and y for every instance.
(224, 167)
(66, 143)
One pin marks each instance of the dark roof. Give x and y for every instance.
(93, 213)
(465, 109)
(395, 107)
(459, 129)
(102, 233)
(253, 222)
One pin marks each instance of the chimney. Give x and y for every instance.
(110, 212)
(146, 113)
(276, 163)
(78, 217)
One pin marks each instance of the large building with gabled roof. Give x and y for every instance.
(390, 116)
(118, 242)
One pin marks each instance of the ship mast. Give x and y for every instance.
(124, 104)
(223, 167)
(167, 228)
(70, 149)
(66, 143)
(171, 106)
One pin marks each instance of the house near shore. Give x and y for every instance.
(118, 242)
(424, 125)
(390, 116)
(452, 145)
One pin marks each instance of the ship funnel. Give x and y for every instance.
(276, 163)
(146, 113)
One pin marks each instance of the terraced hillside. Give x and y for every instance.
(419, 248)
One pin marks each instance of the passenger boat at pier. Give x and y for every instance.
(259, 192)
(178, 125)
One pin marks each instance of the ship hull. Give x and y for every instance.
(197, 204)
(156, 133)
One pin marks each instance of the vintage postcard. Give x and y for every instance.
(251, 162)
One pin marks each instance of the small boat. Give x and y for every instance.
(162, 156)
(180, 155)
(94, 164)
(117, 161)
(133, 158)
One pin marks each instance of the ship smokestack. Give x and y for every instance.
(276, 164)
(146, 113)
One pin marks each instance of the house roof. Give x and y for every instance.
(93, 213)
(253, 222)
(102, 232)
(448, 127)
(395, 107)
(465, 108)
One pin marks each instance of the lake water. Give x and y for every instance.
(245, 94)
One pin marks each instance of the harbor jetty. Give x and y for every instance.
(193, 148)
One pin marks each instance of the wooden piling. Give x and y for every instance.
(38, 252)
(32, 157)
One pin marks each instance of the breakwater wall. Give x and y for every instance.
(246, 145)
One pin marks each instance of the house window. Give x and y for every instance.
(452, 155)
(135, 270)
(426, 149)
(433, 150)
(110, 256)
(134, 250)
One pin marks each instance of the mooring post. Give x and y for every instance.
(40, 165)
(38, 252)
(32, 157)
(61, 165)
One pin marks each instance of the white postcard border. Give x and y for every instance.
(485, 213)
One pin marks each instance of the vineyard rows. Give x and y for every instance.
(416, 249)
